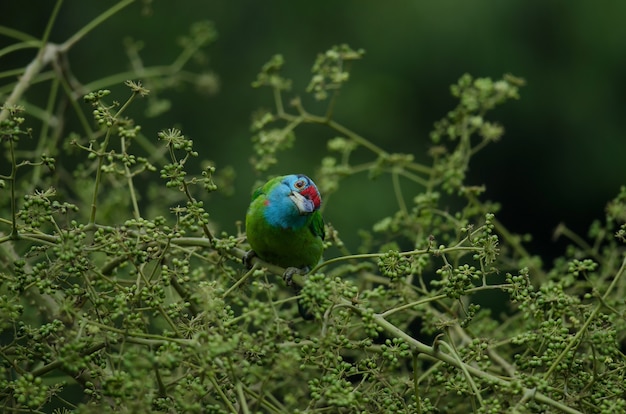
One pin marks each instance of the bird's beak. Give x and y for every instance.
(303, 204)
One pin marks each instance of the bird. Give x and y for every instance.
(284, 226)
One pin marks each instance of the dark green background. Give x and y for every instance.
(563, 155)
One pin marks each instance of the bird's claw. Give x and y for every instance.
(288, 278)
(247, 258)
(288, 275)
(290, 271)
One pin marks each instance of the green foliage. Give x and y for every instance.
(113, 298)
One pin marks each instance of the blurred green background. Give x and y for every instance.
(562, 158)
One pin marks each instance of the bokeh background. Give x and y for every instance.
(562, 158)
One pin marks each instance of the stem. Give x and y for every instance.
(53, 16)
(422, 348)
(222, 395)
(416, 388)
(563, 230)
(19, 46)
(205, 228)
(121, 77)
(73, 100)
(22, 85)
(398, 192)
(46, 54)
(416, 167)
(242, 398)
(463, 368)
(48, 51)
(331, 105)
(352, 135)
(141, 337)
(512, 241)
(16, 34)
(101, 155)
(408, 253)
(576, 339)
(278, 100)
(94, 23)
(44, 141)
(126, 105)
(240, 281)
(13, 234)
(94, 197)
(129, 182)
(56, 364)
(412, 304)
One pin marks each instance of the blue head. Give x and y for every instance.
(291, 200)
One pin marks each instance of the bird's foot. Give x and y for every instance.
(288, 278)
(290, 271)
(247, 258)
(306, 314)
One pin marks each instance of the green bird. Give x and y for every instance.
(284, 225)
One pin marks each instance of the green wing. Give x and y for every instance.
(317, 225)
(265, 188)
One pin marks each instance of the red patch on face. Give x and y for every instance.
(266, 202)
(312, 194)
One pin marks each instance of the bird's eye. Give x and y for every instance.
(300, 184)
